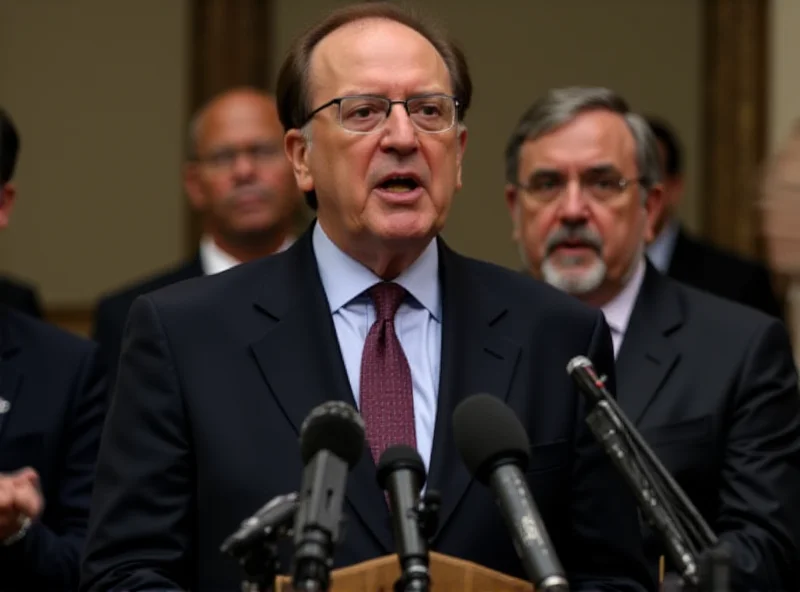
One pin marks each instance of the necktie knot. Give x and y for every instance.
(387, 297)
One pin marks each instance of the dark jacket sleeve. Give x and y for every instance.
(31, 305)
(759, 294)
(48, 557)
(607, 551)
(759, 514)
(139, 532)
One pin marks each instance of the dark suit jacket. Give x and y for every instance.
(112, 309)
(19, 296)
(55, 391)
(704, 266)
(712, 387)
(218, 373)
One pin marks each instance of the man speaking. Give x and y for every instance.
(218, 373)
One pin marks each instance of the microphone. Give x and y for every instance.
(331, 443)
(401, 472)
(624, 445)
(583, 373)
(275, 516)
(494, 446)
(255, 544)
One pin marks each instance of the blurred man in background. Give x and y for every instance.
(711, 384)
(52, 406)
(13, 293)
(239, 180)
(692, 260)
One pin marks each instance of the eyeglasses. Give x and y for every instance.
(364, 114)
(258, 154)
(600, 185)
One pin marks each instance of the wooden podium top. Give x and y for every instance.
(448, 574)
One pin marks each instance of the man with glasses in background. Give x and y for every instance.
(238, 179)
(710, 384)
(368, 307)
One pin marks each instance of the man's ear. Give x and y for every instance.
(462, 146)
(297, 148)
(654, 206)
(8, 194)
(512, 203)
(192, 186)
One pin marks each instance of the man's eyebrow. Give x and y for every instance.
(601, 168)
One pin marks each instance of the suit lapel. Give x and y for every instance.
(10, 376)
(647, 356)
(303, 329)
(476, 358)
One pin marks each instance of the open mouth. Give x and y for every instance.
(399, 184)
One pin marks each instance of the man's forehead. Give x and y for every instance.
(241, 110)
(581, 146)
(366, 51)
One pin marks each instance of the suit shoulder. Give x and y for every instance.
(44, 336)
(124, 296)
(714, 312)
(9, 284)
(521, 289)
(223, 289)
(724, 259)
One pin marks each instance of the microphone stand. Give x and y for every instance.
(414, 576)
(257, 553)
(607, 431)
(703, 566)
(261, 566)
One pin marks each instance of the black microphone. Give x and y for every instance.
(401, 472)
(331, 443)
(583, 373)
(274, 516)
(647, 478)
(495, 447)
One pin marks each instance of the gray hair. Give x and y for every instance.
(562, 105)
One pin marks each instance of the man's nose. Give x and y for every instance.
(243, 165)
(400, 134)
(573, 205)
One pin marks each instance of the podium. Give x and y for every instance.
(448, 574)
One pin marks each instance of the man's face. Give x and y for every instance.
(242, 181)
(577, 229)
(351, 172)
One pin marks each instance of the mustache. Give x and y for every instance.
(261, 193)
(580, 234)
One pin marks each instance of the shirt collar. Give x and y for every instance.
(618, 310)
(214, 260)
(660, 250)
(344, 278)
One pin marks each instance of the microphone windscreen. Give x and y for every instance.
(400, 457)
(486, 431)
(334, 426)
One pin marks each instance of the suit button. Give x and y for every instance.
(4, 406)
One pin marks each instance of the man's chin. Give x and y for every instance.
(574, 279)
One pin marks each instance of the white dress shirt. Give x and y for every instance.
(215, 260)
(618, 310)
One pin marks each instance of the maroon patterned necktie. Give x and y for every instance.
(386, 395)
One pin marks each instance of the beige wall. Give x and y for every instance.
(784, 91)
(97, 90)
(649, 51)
